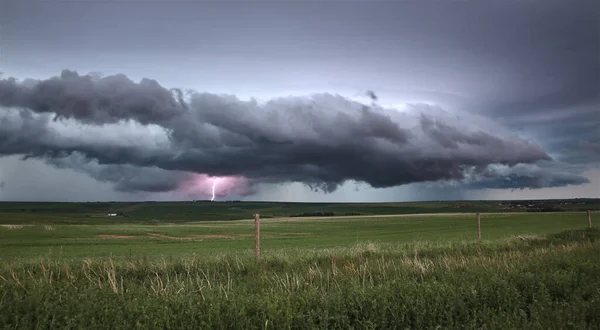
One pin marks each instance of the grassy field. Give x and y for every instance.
(124, 239)
(71, 266)
(545, 282)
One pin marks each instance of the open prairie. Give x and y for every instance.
(119, 238)
(172, 265)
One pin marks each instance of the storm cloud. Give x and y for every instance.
(144, 137)
(522, 176)
(92, 98)
(124, 177)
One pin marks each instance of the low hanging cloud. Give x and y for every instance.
(128, 178)
(124, 177)
(519, 177)
(144, 137)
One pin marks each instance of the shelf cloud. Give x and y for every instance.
(322, 140)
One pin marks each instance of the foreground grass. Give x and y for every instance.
(542, 282)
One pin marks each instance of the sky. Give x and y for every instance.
(333, 101)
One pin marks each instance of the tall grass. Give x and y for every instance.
(526, 282)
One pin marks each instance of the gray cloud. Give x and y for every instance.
(568, 134)
(523, 176)
(532, 69)
(591, 146)
(553, 93)
(93, 99)
(372, 96)
(124, 177)
(322, 140)
(584, 153)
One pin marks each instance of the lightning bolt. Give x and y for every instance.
(213, 188)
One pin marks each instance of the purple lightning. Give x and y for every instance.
(214, 186)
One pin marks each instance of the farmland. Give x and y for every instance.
(178, 212)
(191, 265)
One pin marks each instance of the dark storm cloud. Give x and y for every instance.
(125, 178)
(524, 176)
(33, 136)
(94, 99)
(322, 140)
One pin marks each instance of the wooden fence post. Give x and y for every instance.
(478, 226)
(590, 218)
(257, 235)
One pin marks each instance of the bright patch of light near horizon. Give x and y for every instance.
(399, 107)
(214, 187)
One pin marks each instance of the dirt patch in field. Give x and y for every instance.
(361, 217)
(198, 237)
(12, 226)
(8, 226)
(178, 238)
(117, 236)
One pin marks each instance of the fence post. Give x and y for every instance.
(257, 234)
(590, 218)
(478, 226)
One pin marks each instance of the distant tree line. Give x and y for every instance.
(546, 209)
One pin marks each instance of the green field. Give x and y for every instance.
(171, 265)
(120, 240)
